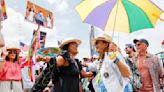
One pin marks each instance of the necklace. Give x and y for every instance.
(140, 62)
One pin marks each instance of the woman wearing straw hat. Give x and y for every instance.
(111, 71)
(10, 72)
(69, 68)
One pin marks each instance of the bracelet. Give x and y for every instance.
(116, 60)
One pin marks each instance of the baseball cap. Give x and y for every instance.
(130, 46)
(141, 40)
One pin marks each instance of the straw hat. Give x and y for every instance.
(13, 45)
(69, 40)
(103, 37)
(16, 49)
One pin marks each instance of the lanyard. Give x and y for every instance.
(99, 75)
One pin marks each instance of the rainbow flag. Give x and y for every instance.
(33, 47)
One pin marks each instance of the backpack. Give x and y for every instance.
(135, 80)
(50, 71)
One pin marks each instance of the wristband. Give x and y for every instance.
(116, 60)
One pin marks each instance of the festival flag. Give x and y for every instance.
(3, 10)
(33, 47)
(92, 47)
(42, 39)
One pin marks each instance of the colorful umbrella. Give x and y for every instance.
(119, 15)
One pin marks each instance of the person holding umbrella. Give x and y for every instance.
(112, 72)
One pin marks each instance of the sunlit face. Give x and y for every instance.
(101, 46)
(140, 46)
(73, 48)
(112, 48)
(128, 50)
(12, 54)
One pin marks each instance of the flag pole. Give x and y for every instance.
(91, 38)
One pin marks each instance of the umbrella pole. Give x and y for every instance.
(91, 38)
(115, 19)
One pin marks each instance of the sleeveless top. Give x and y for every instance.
(68, 80)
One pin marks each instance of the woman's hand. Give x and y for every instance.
(46, 89)
(4, 53)
(44, 59)
(39, 58)
(86, 74)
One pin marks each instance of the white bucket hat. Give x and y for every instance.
(69, 40)
(13, 45)
(103, 37)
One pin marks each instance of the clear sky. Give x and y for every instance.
(67, 23)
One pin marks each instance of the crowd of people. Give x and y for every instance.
(110, 71)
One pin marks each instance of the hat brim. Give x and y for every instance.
(17, 49)
(100, 39)
(70, 41)
(135, 41)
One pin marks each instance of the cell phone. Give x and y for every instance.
(37, 72)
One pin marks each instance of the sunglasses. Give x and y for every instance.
(137, 44)
(126, 48)
(75, 44)
(12, 52)
(98, 42)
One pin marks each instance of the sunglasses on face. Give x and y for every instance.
(126, 48)
(102, 42)
(12, 52)
(74, 44)
(137, 44)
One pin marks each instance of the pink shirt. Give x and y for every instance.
(147, 84)
(10, 71)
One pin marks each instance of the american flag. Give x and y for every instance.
(24, 47)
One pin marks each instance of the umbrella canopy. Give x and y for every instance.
(119, 15)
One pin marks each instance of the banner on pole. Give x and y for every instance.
(42, 38)
(39, 15)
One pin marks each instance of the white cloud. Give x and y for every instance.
(63, 6)
(16, 29)
(53, 1)
(60, 6)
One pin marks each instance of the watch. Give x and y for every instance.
(116, 60)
